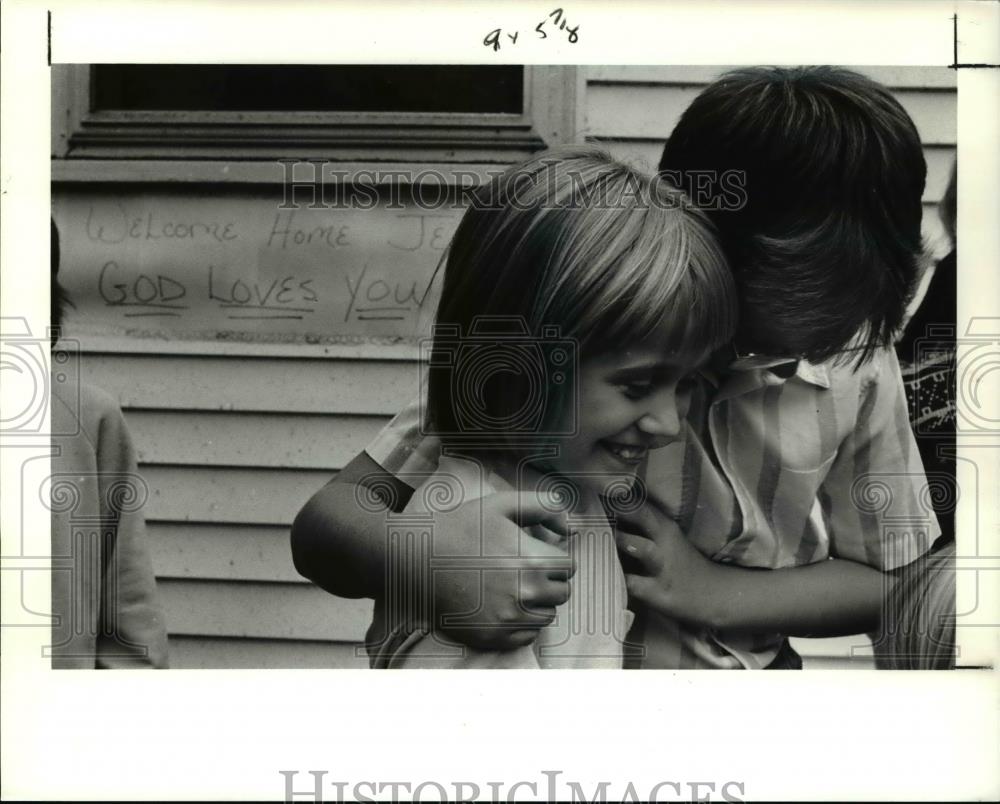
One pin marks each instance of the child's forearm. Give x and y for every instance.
(831, 598)
(338, 545)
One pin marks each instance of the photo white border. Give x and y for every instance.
(227, 734)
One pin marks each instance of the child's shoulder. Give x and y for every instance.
(456, 480)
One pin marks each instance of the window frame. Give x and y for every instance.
(81, 133)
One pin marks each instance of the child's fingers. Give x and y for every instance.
(643, 588)
(543, 591)
(548, 536)
(640, 550)
(648, 521)
(642, 521)
(543, 538)
(526, 508)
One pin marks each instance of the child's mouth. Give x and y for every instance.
(631, 454)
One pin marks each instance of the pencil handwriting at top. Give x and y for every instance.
(558, 22)
(554, 23)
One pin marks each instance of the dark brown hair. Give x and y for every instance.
(826, 247)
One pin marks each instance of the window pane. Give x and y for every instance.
(281, 88)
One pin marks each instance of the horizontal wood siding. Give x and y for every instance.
(223, 494)
(280, 440)
(231, 447)
(248, 609)
(650, 111)
(262, 654)
(229, 552)
(275, 385)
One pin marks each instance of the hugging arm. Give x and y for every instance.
(339, 544)
(830, 598)
(876, 480)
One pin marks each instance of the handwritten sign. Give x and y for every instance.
(173, 264)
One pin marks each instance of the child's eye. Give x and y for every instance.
(636, 390)
(686, 384)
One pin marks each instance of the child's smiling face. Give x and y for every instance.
(627, 404)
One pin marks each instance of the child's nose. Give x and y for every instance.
(661, 418)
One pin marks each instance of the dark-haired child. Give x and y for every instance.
(804, 450)
(796, 448)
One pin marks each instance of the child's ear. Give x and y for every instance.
(926, 259)
(925, 264)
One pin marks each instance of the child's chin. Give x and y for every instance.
(614, 483)
(628, 478)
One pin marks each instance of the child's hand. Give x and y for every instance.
(828, 598)
(670, 575)
(504, 605)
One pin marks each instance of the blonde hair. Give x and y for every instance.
(918, 619)
(575, 241)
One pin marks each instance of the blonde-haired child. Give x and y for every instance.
(578, 296)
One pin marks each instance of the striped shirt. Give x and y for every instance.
(779, 465)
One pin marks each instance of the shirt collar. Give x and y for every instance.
(814, 373)
(719, 370)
